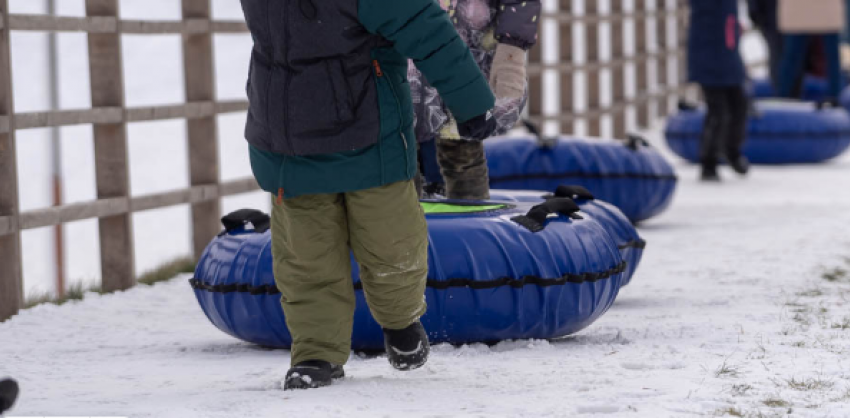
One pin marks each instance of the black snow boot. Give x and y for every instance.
(709, 173)
(312, 374)
(8, 394)
(408, 348)
(740, 164)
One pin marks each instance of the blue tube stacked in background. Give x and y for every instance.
(628, 174)
(779, 133)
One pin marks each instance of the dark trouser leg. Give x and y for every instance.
(715, 128)
(774, 47)
(737, 104)
(793, 60)
(464, 168)
(832, 47)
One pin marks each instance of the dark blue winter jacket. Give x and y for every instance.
(714, 37)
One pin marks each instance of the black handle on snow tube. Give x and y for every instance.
(238, 219)
(573, 192)
(684, 106)
(545, 142)
(535, 219)
(633, 142)
(8, 394)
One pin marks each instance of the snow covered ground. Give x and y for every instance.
(730, 313)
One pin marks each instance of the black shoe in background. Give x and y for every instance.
(709, 174)
(8, 394)
(741, 165)
(408, 348)
(312, 374)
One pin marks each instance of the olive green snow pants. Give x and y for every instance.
(311, 238)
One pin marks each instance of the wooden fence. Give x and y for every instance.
(109, 116)
(624, 23)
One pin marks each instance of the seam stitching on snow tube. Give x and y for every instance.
(547, 176)
(434, 284)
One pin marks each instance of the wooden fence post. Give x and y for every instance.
(593, 86)
(11, 276)
(682, 18)
(642, 63)
(199, 75)
(618, 70)
(535, 78)
(110, 151)
(565, 54)
(661, 72)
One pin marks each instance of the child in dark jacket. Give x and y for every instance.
(330, 128)
(715, 63)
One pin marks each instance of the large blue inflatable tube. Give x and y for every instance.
(517, 271)
(779, 133)
(628, 240)
(628, 174)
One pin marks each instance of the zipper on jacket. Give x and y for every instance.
(380, 73)
(286, 78)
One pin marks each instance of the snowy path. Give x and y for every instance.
(729, 314)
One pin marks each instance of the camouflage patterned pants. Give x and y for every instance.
(463, 166)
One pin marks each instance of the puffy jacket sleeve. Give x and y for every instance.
(517, 22)
(421, 30)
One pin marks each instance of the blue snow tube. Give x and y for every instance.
(498, 271)
(628, 240)
(845, 99)
(628, 174)
(779, 133)
(814, 89)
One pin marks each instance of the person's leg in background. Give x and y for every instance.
(464, 167)
(389, 238)
(737, 103)
(714, 130)
(793, 60)
(832, 46)
(312, 269)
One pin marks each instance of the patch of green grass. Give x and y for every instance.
(802, 319)
(810, 384)
(741, 390)
(776, 403)
(162, 273)
(811, 293)
(731, 411)
(843, 325)
(836, 274)
(75, 292)
(727, 370)
(167, 271)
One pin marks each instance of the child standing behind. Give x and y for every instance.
(499, 33)
(330, 127)
(715, 63)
